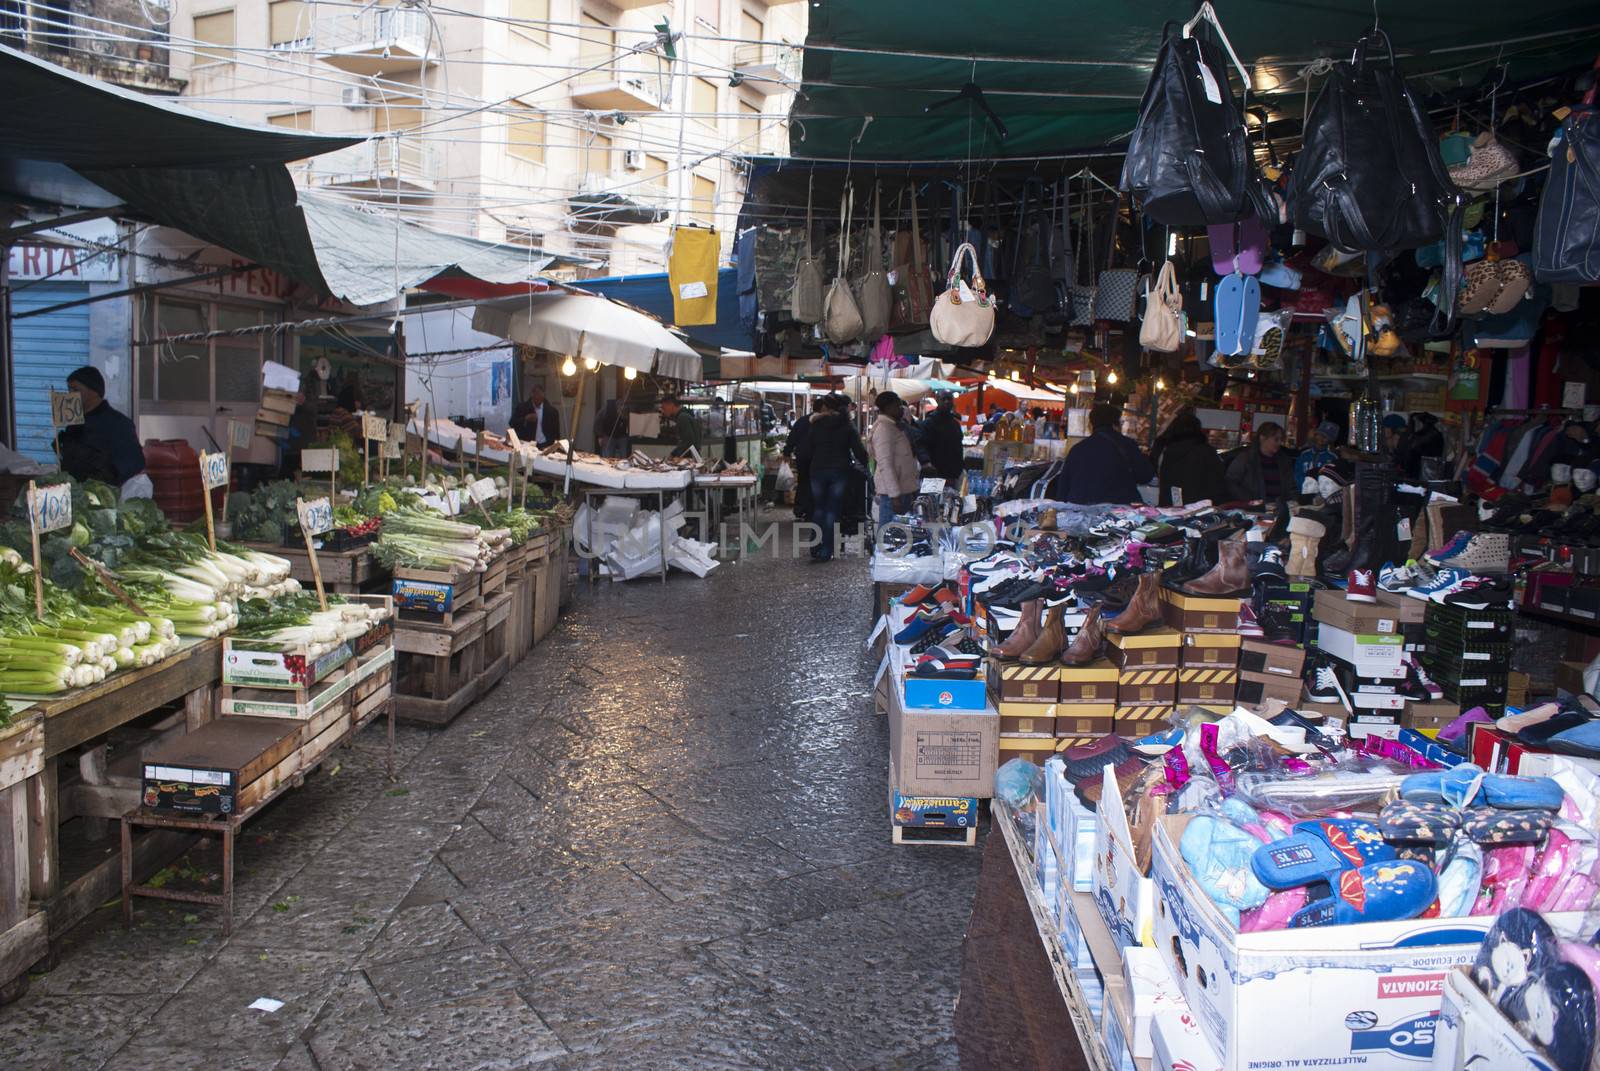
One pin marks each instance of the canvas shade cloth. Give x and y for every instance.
(589, 328)
(1007, 396)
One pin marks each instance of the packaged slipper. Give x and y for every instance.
(1550, 868)
(1318, 851)
(1519, 945)
(1377, 892)
(1555, 1011)
(1455, 786)
(1505, 876)
(1422, 822)
(1586, 958)
(1218, 853)
(1490, 825)
(1459, 879)
(1281, 906)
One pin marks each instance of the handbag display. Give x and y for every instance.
(1566, 243)
(873, 298)
(1080, 295)
(963, 315)
(841, 317)
(913, 287)
(805, 295)
(1188, 164)
(1116, 289)
(1162, 329)
(1032, 291)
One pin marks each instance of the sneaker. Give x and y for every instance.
(1429, 686)
(1399, 579)
(1483, 552)
(1362, 586)
(1278, 624)
(1457, 543)
(1323, 684)
(1270, 560)
(1444, 581)
(1479, 593)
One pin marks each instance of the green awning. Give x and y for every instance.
(1066, 75)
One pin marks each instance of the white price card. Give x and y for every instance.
(932, 485)
(374, 426)
(453, 499)
(316, 516)
(239, 434)
(319, 460)
(484, 490)
(433, 501)
(66, 408)
(51, 507)
(391, 449)
(213, 470)
(397, 432)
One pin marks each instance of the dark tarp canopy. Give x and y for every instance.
(1066, 75)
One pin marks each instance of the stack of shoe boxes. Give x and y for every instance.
(1269, 671)
(1147, 679)
(1367, 648)
(1088, 706)
(1469, 655)
(1026, 697)
(1426, 716)
(1208, 672)
(1288, 602)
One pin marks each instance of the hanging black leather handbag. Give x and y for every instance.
(1566, 243)
(1188, 163)
(1032, 291)
(1369, 177)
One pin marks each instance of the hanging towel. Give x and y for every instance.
(692, 274)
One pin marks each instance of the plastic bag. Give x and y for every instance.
(1018, 783)
(784, 480)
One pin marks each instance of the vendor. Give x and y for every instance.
(536, 420)
(688, 426)
(940, 446)
(1107, 467)
(347, 405)
(105, 446)
(1263, 472)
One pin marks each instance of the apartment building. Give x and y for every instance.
(567, 125)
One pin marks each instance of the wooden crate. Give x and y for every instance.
(493, 579)
(465, 596)
(497, 627)
(344, 572)
(521, 617)
(433, 685)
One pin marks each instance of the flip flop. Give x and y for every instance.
(1519, 945)
(1228, 309)
(1319, 850)
(1412, 821)
(1218, 853)
(1377, 892)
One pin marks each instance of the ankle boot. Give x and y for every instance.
(1142, 611)
(1305, 535)
(1052, 637)
(1085, 646)
(1231, 575)
(1194, 561)
(1024, 634)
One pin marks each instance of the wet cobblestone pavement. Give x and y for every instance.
(662, 841)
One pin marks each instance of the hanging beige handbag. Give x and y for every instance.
(1162, 330)
(841, 316)
(805, 295)
(873, 297)
(963, 315)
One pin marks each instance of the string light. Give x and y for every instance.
(1161, 384)
(1073, 388)
(1111, 378)
(590, 364)
(630, 374)
(1015, 377)
(569, 367)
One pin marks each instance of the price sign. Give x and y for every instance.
(433, 501)
(319, 460)
(397, 433)
(931, 485)
(213, 470)
(240, 434)
(51, 508)
(391, 449)
(316, 516)
(453, 499)
(374, 426)
(484, 490)
(66, 408)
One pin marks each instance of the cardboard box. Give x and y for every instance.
(935, 693)
(1197, 613)
(1013, 680)
(206, 770)
(1207, 684)
(1094, 683)
(1569, 678)
(1429, 718)
(1332, 608)
(1027, 718)
(1124, 897)
(1178, 1044)
(932, 812)
(1033, 747)
(242, 665)
(1274, 659)
(1142, 720)
(1151, 989)
(1256, 689)
(1402, 607)
(1220, 649)
(1116, 1026)
(1362, 994)
(1085, 719)
(1161, 647)
(1496, 751)
(277, 703)
(942, 752)
(1370, 654)
(1472, 1033)
(1150, 687)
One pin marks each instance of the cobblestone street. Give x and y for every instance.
(662, 841)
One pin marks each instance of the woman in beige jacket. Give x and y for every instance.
(896, 473)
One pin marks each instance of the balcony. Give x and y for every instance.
(768, 68)
(617, 199)
(610, 90)
(382, 165)
(377, 41)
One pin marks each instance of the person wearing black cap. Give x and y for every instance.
(896, 474)
(105, 446)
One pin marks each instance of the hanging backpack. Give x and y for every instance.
(1369, 177)
(873, 298)
(841, 316)
(1162, 329)
(805, 296)
(1188, 162)
(913, 288)
(963, 315)
(1566, 241)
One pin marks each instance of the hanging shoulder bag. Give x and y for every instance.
(1032, 291)
(1162, 329)
(805, 296)
(841, 317)
(1188, 164)
(873, 298)
(913, 284)
(1080, 296)
(1116, 289)
(1566, 240)
(963, 315)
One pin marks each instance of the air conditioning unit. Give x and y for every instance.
(633, 159)
(352, 96)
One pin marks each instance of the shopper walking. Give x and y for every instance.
(830, 451)
(1107, 467)
(1187, 463)
(797, 449)
(1263, 472)
(896, 473)
(942, 446)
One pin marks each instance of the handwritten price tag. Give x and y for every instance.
(240, 434)
(51, 508)
(931, 485)
(214, 470)
(397, 432)
(66, 408)
(391, 449)
(484, 490)
(374, 426)
(316, 516)
(319, 460)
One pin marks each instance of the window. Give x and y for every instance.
(708, 12)
(525, 134)
(749, 127)
(751, 28)
(655, 173)
(300, 120)
(597, 155)
(525, 14)
(397, 113)
(215, 29)
(205, 373)
(703, 101)
(597, 47)
(288, 24)
(704, 202)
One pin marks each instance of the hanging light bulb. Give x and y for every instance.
(1161, 384)
(630, 374)
(1111, 378)
(569, 367)
(1073, 389)
(1015, 377)
(590, 364)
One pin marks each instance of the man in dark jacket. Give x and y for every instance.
(536, 420)
(833, 444)
(1187, 463)
(940, 445)
(1107, 467)
(1263, 471)
(797, 447)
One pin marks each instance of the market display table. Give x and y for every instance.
(708, 490)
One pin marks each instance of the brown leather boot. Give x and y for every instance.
(1052, 637)
(1143, 610)
(1024, 634)
(1085, 646)
(1230, 576)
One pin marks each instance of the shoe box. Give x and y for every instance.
(1094, 683)
(1154, 648)
(1207, 684)
(1029, 684)
(1079, 720)
(1123, 894)
(931, 812)
(1360, 618)
(1213, 650)
(1428, 718)
(1272, 659)
(1258, 689)
(1151, 990)
(1147, 685)
(942, 752)
(1142, 719)
(1295, 596)
(1027, 717)
(1199, 613)
(1368, 654)
(1177, 1044)
(1033, 747)
(1411, 613)
(1569, 678)
(1548, 590)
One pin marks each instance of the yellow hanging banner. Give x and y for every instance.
(692, 274)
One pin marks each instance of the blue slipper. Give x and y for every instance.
(1377, 892)
(1453, 786)
(1218, 853)
(1318, 851)
(1580, 740)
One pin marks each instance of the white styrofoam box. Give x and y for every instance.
(1047, 868)
(1179, 1045)
(1112, 1031)
(1371, 654)
(1073, 945)
(1125, 897)
(1057, 794)
(1366, 993)
(1077, 845)
(1472, 1033)
(1151, 989)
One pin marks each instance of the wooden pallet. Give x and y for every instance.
(434, 685)
(949, 838)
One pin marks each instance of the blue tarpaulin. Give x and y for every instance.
(652, 294)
